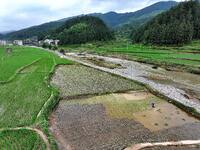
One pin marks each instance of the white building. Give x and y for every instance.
(48, 41)
(18, 42)
(3, 42)
(56, 42)
(51, 42)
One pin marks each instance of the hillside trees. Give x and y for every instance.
(179, 25)
(83, 29)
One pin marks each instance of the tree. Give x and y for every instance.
(179, 25)
(83, 29)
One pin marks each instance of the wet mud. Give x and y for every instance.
(83, 126)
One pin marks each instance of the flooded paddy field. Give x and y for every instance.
(113, 120)
(116, 121)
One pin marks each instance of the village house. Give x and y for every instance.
(56, 42)
(51, 42)
(31, 41)
(18, 42)
(3, 42)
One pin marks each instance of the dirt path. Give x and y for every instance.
(140, 72)
(39, 132)
(45, 106)
(149, 145)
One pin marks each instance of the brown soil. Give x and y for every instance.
(83, 127)
(134, 95)
(164, 116)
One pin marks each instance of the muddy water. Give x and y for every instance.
(164, 116)
(181, 87)
(82, 125)
(89, 126)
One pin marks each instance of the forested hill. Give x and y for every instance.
(112, 19)
(81, 30)
(179, 25)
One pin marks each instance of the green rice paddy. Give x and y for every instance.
(24, 89)
(185, 57)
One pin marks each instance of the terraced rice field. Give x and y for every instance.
(24, 90)
(84, 120)
(118, 120)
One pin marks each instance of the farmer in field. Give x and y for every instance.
(153, 105)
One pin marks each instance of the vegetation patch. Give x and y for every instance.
(76, 80)
(21, 139)
(184, 58)
(81, 30)
(24, 97)
(179, 25)
(19, 58)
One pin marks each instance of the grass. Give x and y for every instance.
(20, 57)
(27, 98)
(76, 80)
(21, 139)
(186, 57)
(25, 87)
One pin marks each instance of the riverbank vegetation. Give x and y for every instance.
(186, 57)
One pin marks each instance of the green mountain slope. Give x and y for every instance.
(81, 30)
(40, 31)
(112, 19)
(179, 25)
